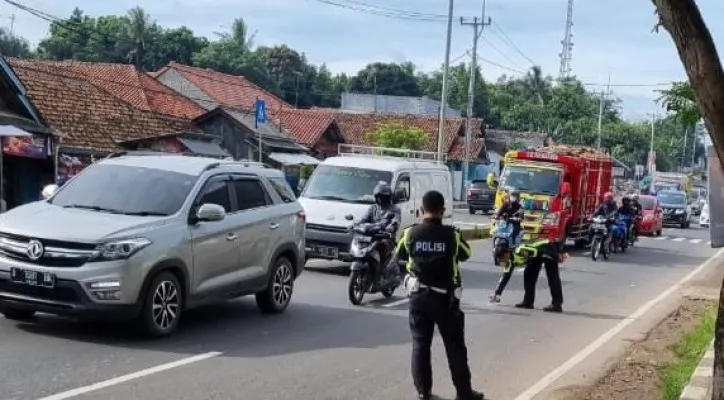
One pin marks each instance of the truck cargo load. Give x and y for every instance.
(560, 187)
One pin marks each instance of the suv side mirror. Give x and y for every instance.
(566, 189)
(49, 191)
(210, 212)
(400, 196)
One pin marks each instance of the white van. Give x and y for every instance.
(339, 192)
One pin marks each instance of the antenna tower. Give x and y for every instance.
(567, 42)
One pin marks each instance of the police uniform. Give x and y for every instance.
(433, 252)
(546, 255)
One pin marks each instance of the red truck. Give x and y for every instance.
(560, 187)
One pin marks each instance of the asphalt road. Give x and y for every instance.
(324, 348)
(463, 219)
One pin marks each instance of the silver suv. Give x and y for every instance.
(147, 237)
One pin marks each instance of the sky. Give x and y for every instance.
(612, 38)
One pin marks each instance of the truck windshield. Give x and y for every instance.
(354, 185)
(531, 179)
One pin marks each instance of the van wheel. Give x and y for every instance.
(162, 306)
(17, 314)
(278, 294)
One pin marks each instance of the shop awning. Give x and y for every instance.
(293, 159)
(201, 148)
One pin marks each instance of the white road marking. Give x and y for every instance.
(588, 253)
(396, 303)
(661, 238)
(695, 241)
(562, 369)
(678, 239)
(136, 375)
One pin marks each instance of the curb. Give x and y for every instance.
(699, 387)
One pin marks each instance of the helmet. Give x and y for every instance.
(608, 196)
(514, 196)
(635, 197)
(383, 193)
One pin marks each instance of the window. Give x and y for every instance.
(217, 192)
(126, 189)
(282, 188)
(345, 184)
(249, 194)
(440, 183)
(403, 182)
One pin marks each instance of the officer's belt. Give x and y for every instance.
(433, 288)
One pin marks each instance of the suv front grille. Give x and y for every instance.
(328, 228)
(55, 253)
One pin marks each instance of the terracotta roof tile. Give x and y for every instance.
(88, 117)
(305, 126)
(227, 90)
(354, 127)
(125, 82)
(457, 153)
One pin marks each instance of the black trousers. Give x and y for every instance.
(427, 309)
(530, 279)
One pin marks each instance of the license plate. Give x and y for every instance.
(331, 252)
(32, 278)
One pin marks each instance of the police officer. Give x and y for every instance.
(433, 251)
(548, 256)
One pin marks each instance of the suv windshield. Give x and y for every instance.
(531, 179)
(672, 198)
(478, 185)
(354, 185)
(126, 190)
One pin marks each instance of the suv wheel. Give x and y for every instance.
(162, 305)
(17, 314)
(276, 297)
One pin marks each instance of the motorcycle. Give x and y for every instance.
(620, 235)
(599, 238)
(367, 258)
(503, 242)
(630, 229)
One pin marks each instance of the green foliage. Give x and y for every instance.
(398, 136)
(532, 102)
(305, 171)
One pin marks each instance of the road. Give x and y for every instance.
(324, 348)
(463, 219)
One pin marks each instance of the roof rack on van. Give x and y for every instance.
(140, 153)
(386, 152)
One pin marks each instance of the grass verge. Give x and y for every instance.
(688, 351)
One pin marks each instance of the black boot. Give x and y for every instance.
(524, 305)
(553, 308)
(424, 396)
(471, 396)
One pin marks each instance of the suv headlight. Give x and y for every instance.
(120, 249)
(680, 211)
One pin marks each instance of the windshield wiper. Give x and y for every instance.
(145, 213)
(94, 208)
(336, 198)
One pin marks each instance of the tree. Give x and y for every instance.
(398, 136)
(683, 20)
(13, 46)
(387, 79)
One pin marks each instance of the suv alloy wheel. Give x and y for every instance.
(275, 299)
(162, 306)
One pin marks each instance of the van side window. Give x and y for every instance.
(403, 182)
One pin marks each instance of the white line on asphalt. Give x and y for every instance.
(125, 378)
(562, 369)
(678, 239)
(661, 238)
(695, 241)
(396, 303)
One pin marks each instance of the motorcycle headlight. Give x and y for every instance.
(680, 211)
(120, 249)
(357, 249)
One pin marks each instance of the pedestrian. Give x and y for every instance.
(433, 252)
(545, 254)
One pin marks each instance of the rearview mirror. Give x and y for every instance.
(400, 195)
(49, 191)
(566, 189)
(491, 182)
(210, 212)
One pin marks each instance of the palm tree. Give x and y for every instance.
(239, 35)
(139, 32)
(536, 84)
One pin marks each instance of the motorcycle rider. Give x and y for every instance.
(609, 210)
(511, 208)
(627, 209)
(383, 211)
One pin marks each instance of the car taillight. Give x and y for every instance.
(302, 216)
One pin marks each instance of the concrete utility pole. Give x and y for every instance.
(445, 73)
(478, 27)
(600, 111)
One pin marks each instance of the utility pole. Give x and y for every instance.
(445, 73)
(683, 150)
(651, 160)
(693, 147)
(600, 111)
(12, 24)
(478, 27)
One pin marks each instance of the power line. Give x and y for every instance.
(380, 11)
(501, 34)
(497, 50)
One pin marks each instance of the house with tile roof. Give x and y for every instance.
(91, 113)
(236, 97)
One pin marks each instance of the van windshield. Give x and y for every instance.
(353, 185)
(530, 179)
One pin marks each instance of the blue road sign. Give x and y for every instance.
(260, 112)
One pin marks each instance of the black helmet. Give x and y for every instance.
(383, 193)
(514, 196)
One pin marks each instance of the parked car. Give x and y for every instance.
(145, 238)
(676, 208)
(652, 222)
(480, 197)
(704, 217)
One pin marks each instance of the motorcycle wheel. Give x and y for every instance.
(388, 292)
(595, 248)
(604, 250)
(356, 288)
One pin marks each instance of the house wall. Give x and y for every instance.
(327, 146)
(177, 82)
(232, 136)
(382, 104)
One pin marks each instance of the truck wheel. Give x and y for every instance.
(471, 210)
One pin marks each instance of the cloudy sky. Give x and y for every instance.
(611, 37)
